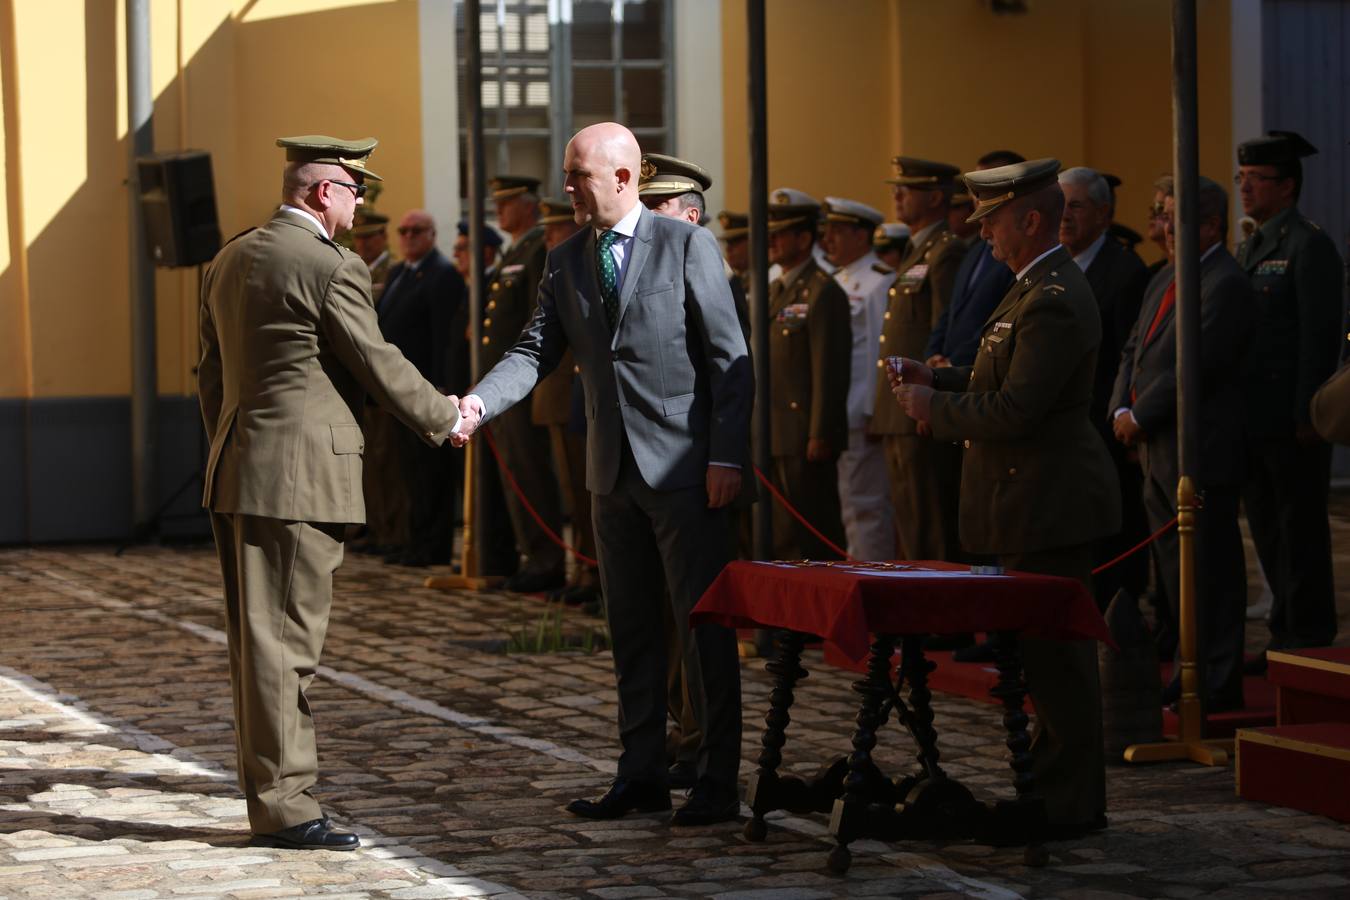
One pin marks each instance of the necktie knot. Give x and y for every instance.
(608, 239)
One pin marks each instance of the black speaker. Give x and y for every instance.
(178, 203)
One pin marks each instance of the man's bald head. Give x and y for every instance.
(601, 169)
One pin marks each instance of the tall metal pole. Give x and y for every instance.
(1186, 175)
(473, 101)
(144, 386)
(759, 263)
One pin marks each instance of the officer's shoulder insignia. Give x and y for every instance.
(241, 234)
(512, 269)
(1055, 288)
(882, 269)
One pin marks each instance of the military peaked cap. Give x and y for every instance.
(320, 148)
(504, 186)
(838, 209)
(491, 236)
(663, 176)
(734, 225)
(553, 211)
(788, 207)
(889, 234)
(994, 187)
(367, 222)
(1275, 148)
(922, 173)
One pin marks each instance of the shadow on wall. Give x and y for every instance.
(65, 454)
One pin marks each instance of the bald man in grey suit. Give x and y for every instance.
(644, 305)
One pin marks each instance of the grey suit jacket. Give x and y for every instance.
(1149, 371)
(673, 376)
(290, 347)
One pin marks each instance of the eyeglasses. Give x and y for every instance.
(1242, 177)
(358, 189)
(406, 230)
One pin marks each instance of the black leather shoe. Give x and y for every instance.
(528, 582)
(682, 776)
(982, 652)
(708, 803)
(316, 834)
(623, 797)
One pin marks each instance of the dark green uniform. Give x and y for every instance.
(810, 342)
(1037, 489)
(1296, 276)
(511, 299)
(924, 476)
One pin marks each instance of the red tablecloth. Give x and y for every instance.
(845, 604)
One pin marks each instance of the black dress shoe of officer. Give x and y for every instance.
(316, 834)
(708, 803)
(623, 797)
(682, 775)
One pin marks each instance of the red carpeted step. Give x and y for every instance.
(1311, 685)
(1297, 766)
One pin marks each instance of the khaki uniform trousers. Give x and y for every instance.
(1067, 756)
(383, 480)
(278, 578)
(925, 491)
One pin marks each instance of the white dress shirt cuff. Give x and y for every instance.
(1127, 411)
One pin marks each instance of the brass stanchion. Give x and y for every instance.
(469, 579)
(1190, 743)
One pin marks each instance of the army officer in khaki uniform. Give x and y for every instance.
(290, 347)
(1038, 486)
(810, 343)
(924, 476)
(511, 300)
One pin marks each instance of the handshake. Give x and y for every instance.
(470, 417)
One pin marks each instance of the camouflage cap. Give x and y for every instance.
(994, 187)
(320, 148)
(663, 175)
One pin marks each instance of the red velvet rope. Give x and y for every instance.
(1137, 547)
(798, 516)
(520, 495)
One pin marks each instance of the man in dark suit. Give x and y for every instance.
(1297, 277)
(423, 313)
(1144, 416)
(1118, 278)
(643, 303)
(1038, 486)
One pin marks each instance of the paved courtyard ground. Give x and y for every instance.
(453, 760)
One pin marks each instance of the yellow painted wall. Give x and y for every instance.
(228, 76)
(852, 84)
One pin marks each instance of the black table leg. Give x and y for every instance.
(1026, 815)
(849, 819)
(766, 790)
(914, 668)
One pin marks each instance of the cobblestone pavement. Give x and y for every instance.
(453, 759)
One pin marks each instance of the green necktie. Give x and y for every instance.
(609, 276)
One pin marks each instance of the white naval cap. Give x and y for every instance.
(837, 209)
(889, 233)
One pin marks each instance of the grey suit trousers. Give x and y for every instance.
(639, 531)
(278, 591)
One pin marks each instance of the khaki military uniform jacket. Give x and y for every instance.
(1036, 475)
(290, 347)
(810, 340)
(921, 292)
(512, 296)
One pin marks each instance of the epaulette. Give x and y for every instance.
(882, 269)
(241, 234)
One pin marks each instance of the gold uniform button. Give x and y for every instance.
(487, 322)
(785, 332)
(486, 340)
(496, 285)
(1012, 471)
(883, 338)
(888, 314)
(492, 304)
(881, 363)
(792, 405)
(966, 444)
(892, 292)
